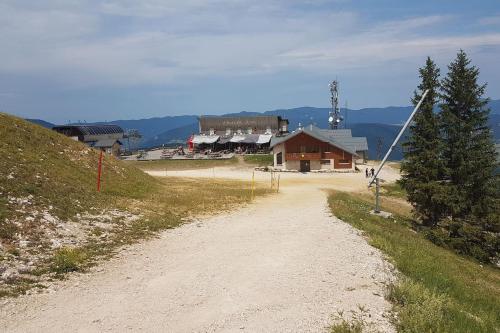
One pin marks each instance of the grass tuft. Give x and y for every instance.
(347, 327)
(67, 260)
(419, 309)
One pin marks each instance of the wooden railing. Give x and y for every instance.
(302, 156)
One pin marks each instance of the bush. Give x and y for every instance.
(68, 260)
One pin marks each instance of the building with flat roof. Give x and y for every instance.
(249, 134)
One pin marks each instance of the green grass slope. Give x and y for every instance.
(439, 291)
(56, 171)
(49, 204)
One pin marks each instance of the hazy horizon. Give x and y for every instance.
(107, 60)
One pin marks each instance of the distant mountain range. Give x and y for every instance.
(377, 124)
(42, 123)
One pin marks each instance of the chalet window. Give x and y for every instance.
(228, 131)
(279, 158)
(325, 162)
(249, 130)
(212, 131)
(302, 149)
(344, 162)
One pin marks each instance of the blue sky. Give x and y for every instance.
(64, 60)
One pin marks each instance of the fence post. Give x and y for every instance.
(99, 171)
(253, 184)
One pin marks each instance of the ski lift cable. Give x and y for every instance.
(372, 180)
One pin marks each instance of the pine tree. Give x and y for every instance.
(422, 168)
(469, 151)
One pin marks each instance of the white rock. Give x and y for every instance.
(24, 269)
(9, 275)
(55, 244)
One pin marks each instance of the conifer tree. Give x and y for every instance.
(422, 168)
(469, 151)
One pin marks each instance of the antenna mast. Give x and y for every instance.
(334, 117)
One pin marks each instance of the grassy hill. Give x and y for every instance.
(59, 172)
(52, 219)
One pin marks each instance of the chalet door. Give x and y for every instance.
(305, 166)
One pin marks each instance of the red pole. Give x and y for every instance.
(99, 169)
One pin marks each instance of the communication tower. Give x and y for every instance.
(334, 117)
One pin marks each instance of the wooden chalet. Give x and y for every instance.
(311, 148)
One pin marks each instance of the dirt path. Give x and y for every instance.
(282, 264)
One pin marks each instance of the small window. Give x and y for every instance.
(325, 162)
(228, 131)
(344, 162)
(279, 158)
(249, 130)
(212, 131)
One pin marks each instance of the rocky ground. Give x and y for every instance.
(40, 234)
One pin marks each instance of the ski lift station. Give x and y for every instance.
(304, 149)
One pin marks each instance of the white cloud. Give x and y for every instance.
(157, 42)
(490, 20)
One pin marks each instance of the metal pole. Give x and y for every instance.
(398, 137)
(377, 197)
(99, 171)
(279, 176)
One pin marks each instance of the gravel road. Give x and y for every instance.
(280, 264)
